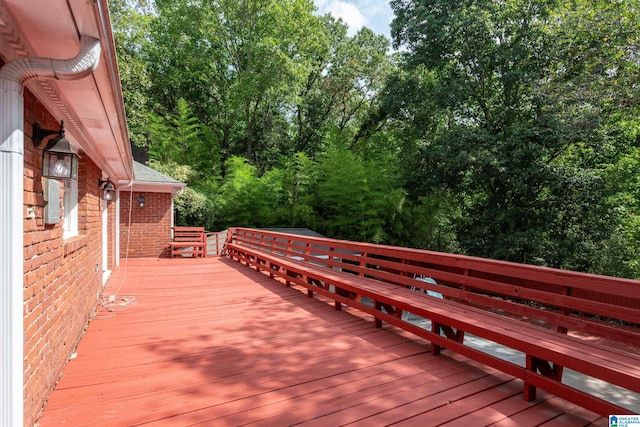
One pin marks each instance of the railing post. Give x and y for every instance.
(565, 311)
(363, 264)
(330, 259)
(229, 239)
(377, 321)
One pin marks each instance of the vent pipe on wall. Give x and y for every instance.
(12, 78)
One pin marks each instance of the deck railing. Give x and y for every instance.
(556, 318)
(215, 242)
(599, 305)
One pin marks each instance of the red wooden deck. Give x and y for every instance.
(211, 342)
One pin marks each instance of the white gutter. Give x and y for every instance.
(159, 187)
(101, 8)
(12, 78)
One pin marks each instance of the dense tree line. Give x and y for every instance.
(499, 128)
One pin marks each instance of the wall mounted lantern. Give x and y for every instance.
(141, 201)
(108, 192)
(59, 161)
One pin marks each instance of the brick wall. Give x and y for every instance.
(62, 277)
(149, 233)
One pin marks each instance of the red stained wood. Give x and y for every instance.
(376, 271)
(211, 342)
(190, 241)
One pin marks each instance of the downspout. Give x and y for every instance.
(12, 79)
(117, 221)
(175, 192)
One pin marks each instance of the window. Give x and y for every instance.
(70, 203)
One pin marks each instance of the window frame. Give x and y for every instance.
(70, 208)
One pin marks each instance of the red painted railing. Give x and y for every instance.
(598, 305)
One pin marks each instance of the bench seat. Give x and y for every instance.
(188, 241)
(547, 351)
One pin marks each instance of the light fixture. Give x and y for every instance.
(59, 161)
(108, 192)
(141, 201)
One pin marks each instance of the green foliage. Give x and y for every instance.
(179, 137)
(253, 57)
(289, 186)
(192, 207)
(130, 23)
(483, 52)
(279, 198)
(624, 178)
(519, 124)
(241, 200)
(342, 86)
(595, 55)
(505, 129)
(356, 199)
(427, 223)
(182, 173)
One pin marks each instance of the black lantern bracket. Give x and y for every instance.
(38, 133)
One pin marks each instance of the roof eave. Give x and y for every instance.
(92, 108)
(154, 187)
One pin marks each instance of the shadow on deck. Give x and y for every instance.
(211, 342)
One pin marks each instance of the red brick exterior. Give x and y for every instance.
(149, 233)
(62, 277)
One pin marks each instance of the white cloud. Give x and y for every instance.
(375, 14)
(348, 12)
(373, 7)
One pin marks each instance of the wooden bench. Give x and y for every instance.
(543, 313)
(188, 241)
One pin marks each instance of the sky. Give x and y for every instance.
(373, 14)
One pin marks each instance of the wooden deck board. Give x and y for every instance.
(211, 342)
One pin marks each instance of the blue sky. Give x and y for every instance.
(373, 14)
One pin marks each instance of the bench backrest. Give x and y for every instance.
(599, 305)
(188, 234)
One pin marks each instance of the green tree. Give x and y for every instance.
(179, 137)
(131, 21)
(520, 122)
(289, 192)
(428, 223)
(595, 57)
(356, 200)
(241, 201)
(186, 60)
(504, 129)
(345, 79)
(486, 145)
(593, 87)
(252, 58)
(192, 207)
